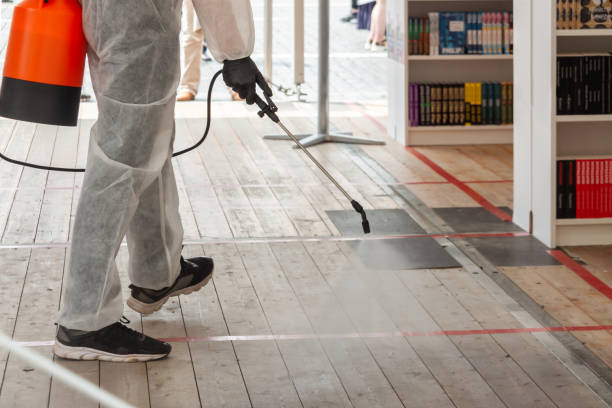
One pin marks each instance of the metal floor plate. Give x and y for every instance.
(382, 222)
(475, 219)
(513, 251)
(409, 253)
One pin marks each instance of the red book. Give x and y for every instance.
(608, 187)
(580, 201)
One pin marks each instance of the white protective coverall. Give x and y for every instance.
(129, 185)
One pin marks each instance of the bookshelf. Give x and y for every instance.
(541, 137)
(405, 69)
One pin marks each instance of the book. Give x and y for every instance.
(584, 85)
(452, 33)
(584, 188)
(593, 14)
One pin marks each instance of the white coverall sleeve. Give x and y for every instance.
(228, 27)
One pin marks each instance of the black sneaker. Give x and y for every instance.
(116, 343)
(195, 274)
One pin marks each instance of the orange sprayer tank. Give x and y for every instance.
(45, 60)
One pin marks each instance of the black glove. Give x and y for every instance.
(241, 75)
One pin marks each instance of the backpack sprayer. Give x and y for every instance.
(43, 76)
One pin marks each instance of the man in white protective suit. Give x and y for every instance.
(129, 186)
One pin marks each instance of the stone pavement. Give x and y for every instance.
(355, 74)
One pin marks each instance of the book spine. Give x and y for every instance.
(511, 33)
(478, 94)
(571, 190)
(498, 33)
(428, 105)
(426, 36)
(479, 49)
(506, 33)
(468, 103)
(561, 190)
(497, 88)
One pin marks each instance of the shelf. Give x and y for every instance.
(584, 118)
(459, 135)
(585, 157)
(459, 128)
(584, 221)
(460, 57)
(584, 231)
(594, 32)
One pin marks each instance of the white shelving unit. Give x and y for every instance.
(404, 68)
(541, 137)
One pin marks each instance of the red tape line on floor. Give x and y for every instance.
(486, 204)
(341, 336)
(583, 272)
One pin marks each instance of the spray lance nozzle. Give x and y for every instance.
(364, 218)
(269, 108)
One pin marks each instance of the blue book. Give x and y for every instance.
(470, 33)
(479, 49)
(452, 33)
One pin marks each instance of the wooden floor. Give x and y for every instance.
(345, 336)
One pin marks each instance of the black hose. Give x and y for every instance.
(195, 146)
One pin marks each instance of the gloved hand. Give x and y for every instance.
(241, 75)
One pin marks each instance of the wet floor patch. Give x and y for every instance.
(513, 251)
(475, 219)
(409, 253)
(382, 222)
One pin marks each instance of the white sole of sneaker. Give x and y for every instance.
(148, 308)
(85, 353)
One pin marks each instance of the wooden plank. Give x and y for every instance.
(182, 139)
(314, 377)
(10, 174)
(13, 264)
(171, 379)
(62, 395)
(307, 200)
(511, 384)
(493, 158)
(557, 381)
(236, 206)
(54, 222)
(274, 221)
(190, 226)
(441, 195)
(499, 194)
(391, 308)
(126, 381)
(582, 295)
(207, 210)
(369, 378)
(24, 385)
(598, 260)
(217, 371)
(561, 308)
(265, 374)
(25, 212)
(454, 161)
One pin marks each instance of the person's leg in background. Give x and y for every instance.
(352, 15)
(378, 25)
(192, 38)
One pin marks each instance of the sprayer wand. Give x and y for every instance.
(269, 109)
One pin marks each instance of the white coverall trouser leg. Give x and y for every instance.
(129, 187)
